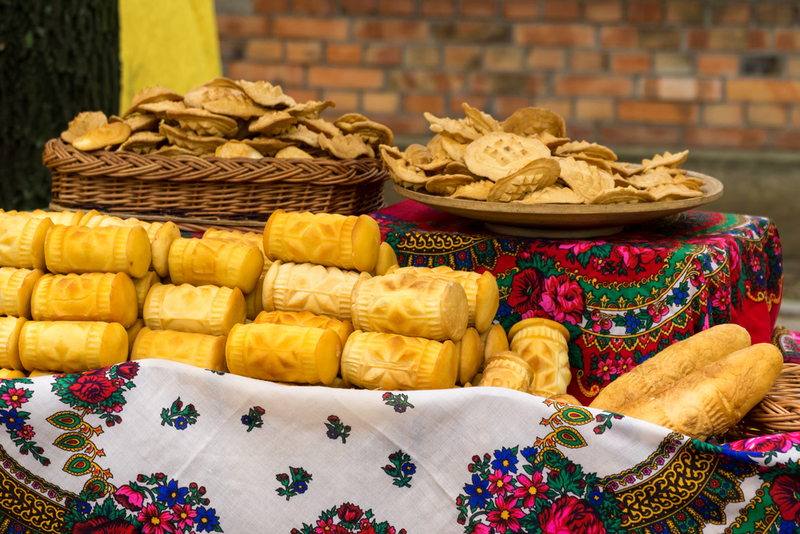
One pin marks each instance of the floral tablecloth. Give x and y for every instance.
(623, 297)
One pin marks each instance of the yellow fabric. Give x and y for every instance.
(166, 42)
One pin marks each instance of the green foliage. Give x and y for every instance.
(57, 58)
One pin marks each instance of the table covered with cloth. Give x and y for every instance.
(622, 297)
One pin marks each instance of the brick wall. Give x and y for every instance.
(682, 73)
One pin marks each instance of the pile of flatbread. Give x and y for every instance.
(529, 159)
(230, 119)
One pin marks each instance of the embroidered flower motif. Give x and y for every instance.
(505, 460)
(129, 498)
(178, 415)
(562, 299)
(104, 525)
(399, 401)
(172, 494)
(570, 515)
(336, 429)
(530, 489)
(401, 469)
(526, 288)
(207, 520)
(347, 519)
(92, 388)
(14, 397)
(478, 492)
(253, 419)
(295, 485)
(155, 520)
(499, 483)
(785, 491)
(506, 515)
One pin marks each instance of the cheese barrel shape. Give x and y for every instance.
(72, 346)
(109, 297)
(10, 328)
(543, 344)
(470, 355)
(215, 262)
(198, 350)
(310, 287)
(387, 259)
(281, 353)
(305, 318)
(346, 241)
(507, 370)
(6, 374)
(16, 288)
(22, 241)
(161, 236)
(133, 331)
(208, 309)
(254, 299)
(251, 239)
(391, 361)
(494, 340)
(483, 295)
(410, 305)
(67, 218)
(86, 249)
(143, 286)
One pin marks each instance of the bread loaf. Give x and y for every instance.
(543, 344)
(483, 295)
(310, 287)
(281, 353)
(198, 350)
(205, 309)
(72, 346)
(670, 364)
(305, 318)
(215, 262)
(391, 361)
(10, 328)
(410, 305)
(16, 288)
(86, 249)
(709, 400)
(109, 297)
(348, 242)
(22, 241)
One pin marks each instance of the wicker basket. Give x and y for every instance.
(198, 192)
(778, 412)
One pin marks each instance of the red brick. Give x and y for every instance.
(507, 59)
(275, 74)
(472, 32)
(384, 55)
(792, 67)
(674, 64)
(476, 101)
(242, 26)
(787, 40)
(601, 11)
(645, 11)
(728, 39)
(731, 13)
(507, 105)
(593, 109)
(410, 125)
(303, 52)
(656, 112)
(359, 7)
(422, 56)
(554, 35)
(381, 102)
(396, 30)
(594, 85)
(400, 80)
(724, 137)
(723, 115)
(346, 101)
(507, 83)
(422, 103)
(681, 89)
(562, 10)
(345, 78)
(775, 13)
(438, 8)
(795, 117)
(478, 9)
(659, 39)
(545, 59)
(397, 7)
(306, 28)
(520, 9)
(264, 50)
(588, 61)
(558, 105)
(580, 131)
(685, 12)
(270, 6)
(462, 57)
(766, 115)
(343, 53)
(630, 63)
(314, 7)
(302, 94)
(659, 136)
(783, 139)
(763, 90)
(619, 37)
(717, 64)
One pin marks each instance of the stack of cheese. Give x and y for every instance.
(405, 328)
(67, 287)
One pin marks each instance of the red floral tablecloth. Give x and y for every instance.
(623, 297)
